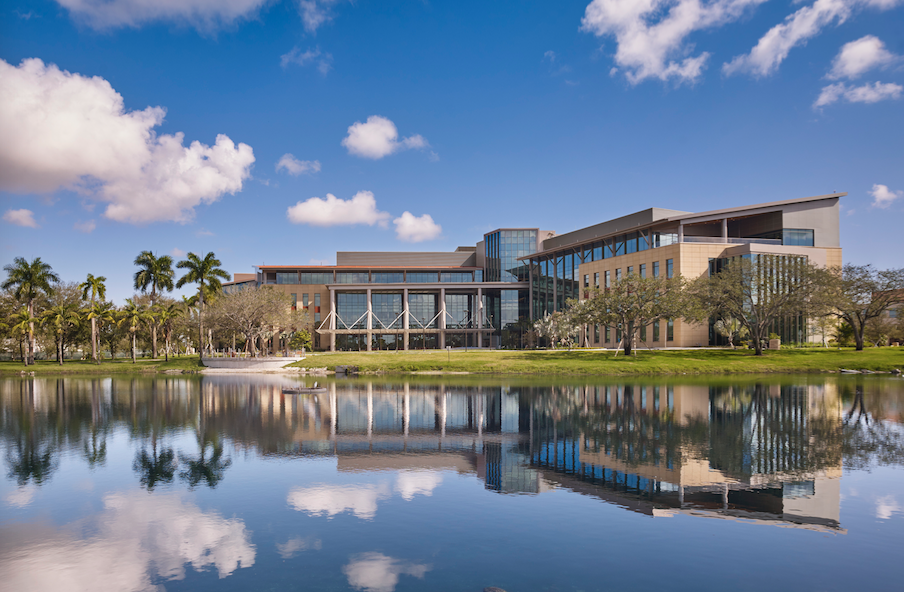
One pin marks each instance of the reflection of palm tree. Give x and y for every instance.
(94, 454)
(29, 462)
(209, 470)
(30, 453)
(155, 468)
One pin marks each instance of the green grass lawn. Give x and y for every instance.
(582, 362)
(118, 366)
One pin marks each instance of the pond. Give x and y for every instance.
(451, 483)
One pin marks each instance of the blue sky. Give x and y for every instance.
(557, 114)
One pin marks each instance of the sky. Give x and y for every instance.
(281, 131)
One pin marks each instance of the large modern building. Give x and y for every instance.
(487, 295)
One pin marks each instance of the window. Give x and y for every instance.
(478, 275)
(642, 240)
(643, 333)
(656, 331)
(316, 308)
(387, 277)
(359, 277)
(598, 251)
(417, 277)
(596, 334)
(630, 269)
(631, 243)
(618, 274)
(287, 278)
(643, 270)
(294, 301)
(586, 280)
(596, 280)
(798, 237)
(455, 276)
(669, 268)
(608, 279)
(325, 277)
(893, 313)
(670, 333)
(608, 335)
(656, 269)
(620, 245)
(304, 301)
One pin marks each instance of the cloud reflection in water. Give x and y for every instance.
(375, 572)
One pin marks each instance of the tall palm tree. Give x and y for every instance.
(166, 316)
(61, 317)
(23, 322)
(155, 273)
(29, 280)
(97, 289)
(207, 274)
(100, 314)
(133, 314)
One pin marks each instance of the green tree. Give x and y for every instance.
(30, 280)
(96, 288)
(730, 329)
(857, 294)
(61, 318)
(207, 274)
(155, 273)
(167, 315)
(253, 312)
(100, 314)
(133, 314)
(23, 323)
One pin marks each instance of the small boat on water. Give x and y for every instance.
(305, 390)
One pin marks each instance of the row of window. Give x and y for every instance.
(306, 303)
(642, 270)
(377, 277)
(642, 333)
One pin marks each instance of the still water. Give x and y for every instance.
(227, 483)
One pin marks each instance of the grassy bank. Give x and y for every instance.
(670, 362)
(119, 366)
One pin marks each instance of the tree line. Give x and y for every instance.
(746, 298)
(38, 311)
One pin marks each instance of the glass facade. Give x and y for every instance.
(316, 277)
(455, 276)
(423, 309)
(388, 277)
(421, 277)
(352, 277)
(502, 250)
(387, 308)
(669, 268)
(287, 278)
(350, 310)
(459, 311)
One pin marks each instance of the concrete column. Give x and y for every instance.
(405, 326)
(724, 230)
(479, 309)
(370, 321)
(681, 233)
(442, 318)
(332, 320)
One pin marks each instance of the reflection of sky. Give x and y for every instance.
(375, 572)
(135, 537)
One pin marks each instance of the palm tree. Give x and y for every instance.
(166, 316)
(100, 313)
(156, 273)
(96, 288)
(61, 318)
(29, 280)
(133, 314)
(207, 274)
(23, 322)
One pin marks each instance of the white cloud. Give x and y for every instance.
(295, 545)
(375, 572)
(414, 229)
(21, 496)
(21, 217)
(136, 540)
(412, 483)
(297, 167)
(887, 506)
(315, 13)
(651, 35)
(378, 137)
(323, 60)
(804, 24)
(86, 227)
(63, 130)
(867, 93)
(203, 14)
(332, 211)
(883, 197)
(329, 500)
(860, 56)
(177, 252)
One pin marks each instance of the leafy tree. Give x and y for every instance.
(100, 314)
(253, 313)
(857, 294)
(731, 329)
(97, 289)
(301, 339)
(133, 314)
(167, 315)
(560, 327)
(207, 274)
(61, 317)
(757, 291)
(633, 302)
(155, 273)
(30, 280)
(23, 323)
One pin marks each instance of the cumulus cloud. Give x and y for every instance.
(135, 540)
(296, 167)
(295, 545)
(804, 24)
(62, 130)
(315, 13)
(21, 217)
(378, 137)
(332, 211)
(867, 93)
(375, 572)
(651, 35)
(323, 60)
(415, 229)
(860, 56)
(329, 500)
(883, 197)
(86, 227)
(203, 14)
(412, 483)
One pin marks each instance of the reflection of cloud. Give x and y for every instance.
(376, 572)
(294, 545)
(360, 500)
(21, 497)
(126, 538)
(886, 507)
(412, 483)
